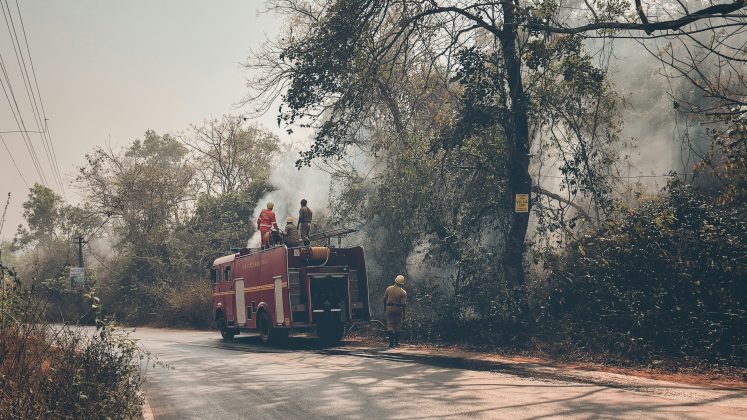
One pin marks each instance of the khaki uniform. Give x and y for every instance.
(395, 298)
(304, 223)
(291, 238)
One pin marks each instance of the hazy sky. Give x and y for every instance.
(108, 70)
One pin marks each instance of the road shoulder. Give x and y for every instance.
(729, 392)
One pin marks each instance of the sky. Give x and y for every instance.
(109, 70)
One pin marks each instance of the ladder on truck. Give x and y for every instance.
(334, 233)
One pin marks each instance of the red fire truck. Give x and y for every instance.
(278, 290)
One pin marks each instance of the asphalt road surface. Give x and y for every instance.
(206, 378)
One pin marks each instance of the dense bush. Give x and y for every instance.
(188, 306)
(54, 371)
(664, 279)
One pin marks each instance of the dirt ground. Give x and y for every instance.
(731, 378)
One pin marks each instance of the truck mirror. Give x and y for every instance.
(213, 276)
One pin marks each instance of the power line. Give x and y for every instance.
(21, 131)
(9, 23)
(43, 116)
(12, 159)
(39, 120)
(19, 119)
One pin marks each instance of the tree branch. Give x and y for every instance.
(719, 10)
(554, 196)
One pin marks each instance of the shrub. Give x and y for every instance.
(667, 278)
(188, 306)
(54, 371)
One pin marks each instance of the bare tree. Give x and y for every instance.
(230, 157)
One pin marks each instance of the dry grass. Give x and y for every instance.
(52, 371)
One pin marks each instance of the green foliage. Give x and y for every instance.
(144, 187)
(666, 278)
(341, 35)
(726, 161)
(164, 150)
(142, 192)
(427, 317)
(41, 211)
(484, 99)
(44, 249)
(49, 221)
(218, 224)
(168, 221)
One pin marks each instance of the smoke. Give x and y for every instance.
(291, 185)
(655, 138)
(651, 134)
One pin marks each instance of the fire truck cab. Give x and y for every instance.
(276, 291)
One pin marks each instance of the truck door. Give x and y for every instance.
(329, 297)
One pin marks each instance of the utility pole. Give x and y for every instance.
(80, 250)
(77, 274)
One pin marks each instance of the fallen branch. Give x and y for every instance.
(554, 196)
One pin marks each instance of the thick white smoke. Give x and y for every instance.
(291, 186)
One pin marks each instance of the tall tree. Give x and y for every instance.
(337, 61)
(142, 190)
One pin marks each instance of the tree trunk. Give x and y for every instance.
(519, 180)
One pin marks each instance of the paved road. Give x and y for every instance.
(208, 379)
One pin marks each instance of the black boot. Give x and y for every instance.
(396, 339)
(391, 339)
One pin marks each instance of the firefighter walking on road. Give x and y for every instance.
(395, 300)
(304, 222)
(265, 223)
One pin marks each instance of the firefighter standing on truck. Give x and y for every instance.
(265, 223)
(304, 222)
(291, 238)
(395, 299)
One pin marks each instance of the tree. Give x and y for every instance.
(51, 224)
(170, 213)
(143, 193)
(662, 279)
(41, 211)
(230, 157)
(45, 247)
(217, 224)
(143, 190)
(334, 65)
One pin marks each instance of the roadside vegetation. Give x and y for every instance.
(58, 371)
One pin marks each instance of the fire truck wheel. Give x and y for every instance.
(225, 332)
(228, 334)
(267, 334)
(264, 325)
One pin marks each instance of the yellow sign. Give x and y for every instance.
(522, 203)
